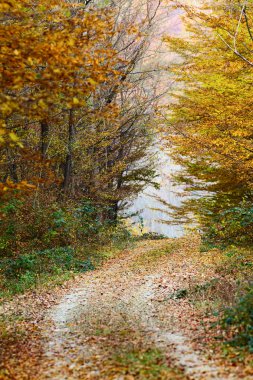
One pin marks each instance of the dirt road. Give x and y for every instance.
(122, 322)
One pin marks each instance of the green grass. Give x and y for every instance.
(51, 267)
(149, 364)
(29, 281)
(150, 257)
(30, 271)
(143, 365)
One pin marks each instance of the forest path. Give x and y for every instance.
(122, 324)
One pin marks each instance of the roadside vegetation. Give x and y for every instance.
(77, 103)
(210, 125)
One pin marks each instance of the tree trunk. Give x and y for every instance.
(44, 128)
(113, 212)
(12, 167)
(68, 166)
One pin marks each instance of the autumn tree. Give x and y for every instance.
(54, 57)
(210, 119)
(137, 95)
(77, 106)
(51, 64)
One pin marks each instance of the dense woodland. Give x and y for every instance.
(84, 99)
(78, 99)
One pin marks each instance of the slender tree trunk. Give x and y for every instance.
(113, 212)
(114, 209)
(68, 166)
(44, 130)
(13, 171)
(12, 167)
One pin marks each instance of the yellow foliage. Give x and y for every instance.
(50, 63)
(212, 114)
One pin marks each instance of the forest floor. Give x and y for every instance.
(130, 319)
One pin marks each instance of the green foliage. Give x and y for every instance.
(88, 214)
(86, 265)
(179, 294)
(120, 234)
(225, 222)
(151, 236)
(154, 255)
(38, 244)
(239, 321)
(25, 228)
(237, 262)
(26, 270)
(38, 262)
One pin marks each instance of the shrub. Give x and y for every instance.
(226, 223)
(25, 271)
(238, 321)
(151, 236)
(38, 262)
(47, 239)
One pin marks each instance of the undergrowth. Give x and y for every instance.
(53, 243)
(226, 297)
(237, 320)
(229, 295)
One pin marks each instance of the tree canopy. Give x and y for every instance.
(210, 118)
